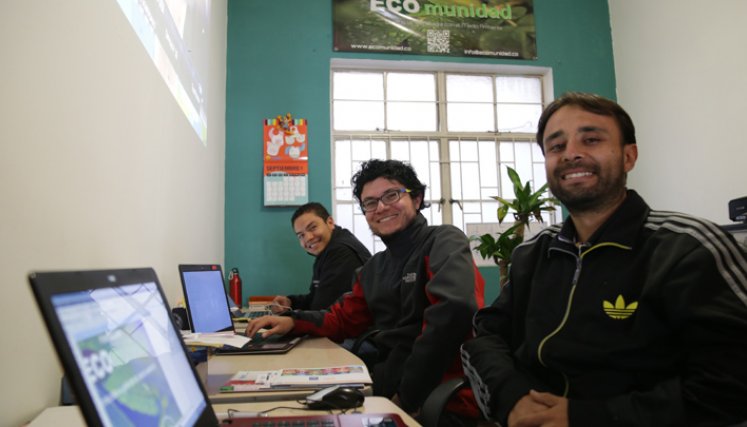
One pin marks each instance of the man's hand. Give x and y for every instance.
(524, 407)
(280, 304)
(539, 410)
(279, 325)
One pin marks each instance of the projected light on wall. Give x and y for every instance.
(175, 35)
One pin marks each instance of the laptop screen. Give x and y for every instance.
(206, 299)
(121, 350)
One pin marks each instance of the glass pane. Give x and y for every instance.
(342, 170)
(490, 212)
(488, 167)
(359, 86)
(360, 149)
(435, 184)
(469, 88)
(468, 150)
(344, 215)
(537, 153)
(518, 118)
(400, 150)
(378, 149)
(358, 115)
(540, 178)
(507, 187)
(518, 89)
(458, 217)
(434, 152)
(471, 177)
(506, 150)
(412, 116)
(456, 180)
(410, 87)
(454, 151)
(469, 117)
(524, 161)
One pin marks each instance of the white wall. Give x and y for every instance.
(680, 68)
(98, 168)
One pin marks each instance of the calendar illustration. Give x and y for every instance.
(286, 161)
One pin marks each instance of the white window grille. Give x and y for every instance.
(459, 130)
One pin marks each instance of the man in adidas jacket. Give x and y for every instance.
(421, 292)
(624, 316)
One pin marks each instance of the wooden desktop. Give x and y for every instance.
(313, 352)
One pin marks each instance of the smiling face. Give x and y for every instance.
(386, 220)
(585, 160)
(313, 232)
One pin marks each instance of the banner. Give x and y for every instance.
(286, 161)
(477, 28)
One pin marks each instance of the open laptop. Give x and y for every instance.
(208, 309)
(124, 358)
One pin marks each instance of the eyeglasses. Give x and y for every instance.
(389, 197)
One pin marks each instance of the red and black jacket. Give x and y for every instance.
(421, 292)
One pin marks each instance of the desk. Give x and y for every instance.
(310, 353)
(69, 416)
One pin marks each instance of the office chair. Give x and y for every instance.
(430, 414)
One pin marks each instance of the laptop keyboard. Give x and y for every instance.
(343, 420)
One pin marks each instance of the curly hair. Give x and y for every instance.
(392, 170)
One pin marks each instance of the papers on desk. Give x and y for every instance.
(298, 378)
(214, 339)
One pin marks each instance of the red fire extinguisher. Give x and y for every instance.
(234, 285)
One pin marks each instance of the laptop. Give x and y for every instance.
(124, 358)
(208, 310)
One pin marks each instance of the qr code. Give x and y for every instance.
(438, 41)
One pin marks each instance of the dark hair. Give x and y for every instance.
(593, 104)
(389, 169)
(316, 208)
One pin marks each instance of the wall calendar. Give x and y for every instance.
(286, 161)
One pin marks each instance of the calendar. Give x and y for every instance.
(286, 161)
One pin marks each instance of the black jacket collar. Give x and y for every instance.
(622, 227)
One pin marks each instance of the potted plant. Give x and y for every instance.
(526, 206)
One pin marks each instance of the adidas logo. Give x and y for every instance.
(619, 310)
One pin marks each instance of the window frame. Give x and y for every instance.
(441, 136)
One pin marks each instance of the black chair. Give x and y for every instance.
(369, 358)
(430, 414)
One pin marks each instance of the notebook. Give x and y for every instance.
(208, 309)
(123, 356)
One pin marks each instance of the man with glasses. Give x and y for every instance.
(421, 293)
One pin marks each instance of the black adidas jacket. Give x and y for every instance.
(646, 325)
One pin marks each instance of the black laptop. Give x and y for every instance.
(124, 358)
(208, 308)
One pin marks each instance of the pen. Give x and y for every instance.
(284, 307)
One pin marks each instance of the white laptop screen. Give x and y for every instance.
(207, 301)
(130, 356)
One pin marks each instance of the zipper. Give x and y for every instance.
(583, 249)
(576, 274)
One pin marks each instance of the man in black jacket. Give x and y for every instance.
(624, 316)
(421, 293)
(338, 254)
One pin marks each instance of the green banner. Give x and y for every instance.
(482, 28)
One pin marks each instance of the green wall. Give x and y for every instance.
(278, 61)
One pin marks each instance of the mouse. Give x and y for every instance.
(336, 398)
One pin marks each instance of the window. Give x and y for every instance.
(459, 130)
